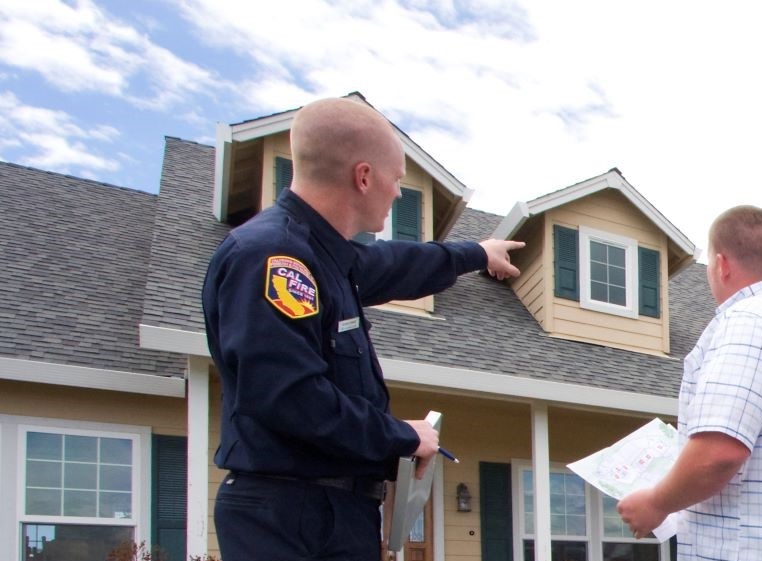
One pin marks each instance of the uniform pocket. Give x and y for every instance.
(352, 362)
(317, 521)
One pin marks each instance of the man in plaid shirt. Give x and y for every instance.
(717, 480)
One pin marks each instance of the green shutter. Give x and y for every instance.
(406, 216)
(648, 282)
(566, 262)
(284, 173)
(496, 518)
(169, 495)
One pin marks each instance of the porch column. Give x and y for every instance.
(541, 470)
(198, 456)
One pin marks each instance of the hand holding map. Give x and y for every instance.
(639, 460)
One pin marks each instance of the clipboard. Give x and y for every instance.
(411, 494)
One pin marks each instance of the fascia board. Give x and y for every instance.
(435, 169)
(261, 127)
(173, 340)
(516, 387)
(281, 122)
(615, 181)
(512, 222)
(222, 168)
(93, 378)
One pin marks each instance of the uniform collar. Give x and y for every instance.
(343, 253)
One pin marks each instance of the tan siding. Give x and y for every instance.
(529, 288)
(165, 415)
(530, 285)
(478, 430)
(611, 212)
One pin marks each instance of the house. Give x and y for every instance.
(109, 401)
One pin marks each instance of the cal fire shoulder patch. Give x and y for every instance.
(291, 288)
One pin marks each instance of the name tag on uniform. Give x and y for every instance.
(349, 324)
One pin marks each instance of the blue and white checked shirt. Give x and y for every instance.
(722, 392)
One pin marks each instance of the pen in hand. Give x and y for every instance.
(448, 455)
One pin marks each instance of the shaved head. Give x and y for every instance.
(330, 137)
(737, 232)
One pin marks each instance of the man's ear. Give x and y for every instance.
(362, 177)
(723, 265)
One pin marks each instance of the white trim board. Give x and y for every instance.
(525, 388)
(93, 378)
(173, 340)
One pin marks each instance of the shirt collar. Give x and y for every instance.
(341, 250)
(747, 291)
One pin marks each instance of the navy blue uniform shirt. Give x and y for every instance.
(302, 390)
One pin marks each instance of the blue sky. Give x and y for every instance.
(517, 99)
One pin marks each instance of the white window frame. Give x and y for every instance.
(630, 247)
(13, 485)
(517, 494)
(594, 515)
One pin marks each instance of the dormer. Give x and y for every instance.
(253, 165)
(597, 263)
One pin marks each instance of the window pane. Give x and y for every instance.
(116, 478)
(598, 252)
(43, 446)
(598, 272)
(115, 505)
(617, 295)
(599, 292)
(575, 504)
(80, 476)
(73, 543)
(116, 451)
(417, 532)
(617, 276)
(80, 503)
(576, 525)
(95, 480)
(613, 527)
(45, 502)
(559, 551)
(616, 256)
(630, 552)
(43, 474)
(81, 448)
(568, 507)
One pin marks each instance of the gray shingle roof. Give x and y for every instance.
(59, 293)
(74, 260)
(184, 237)
(486, 326)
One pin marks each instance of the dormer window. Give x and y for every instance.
(606, 272)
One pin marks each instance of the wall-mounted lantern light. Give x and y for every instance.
(464, 498)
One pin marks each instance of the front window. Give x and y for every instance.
(584, 523)
(608, 272)
(618, 543)
(568, 516)
(78, 493)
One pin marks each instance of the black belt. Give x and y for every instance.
(364, 486)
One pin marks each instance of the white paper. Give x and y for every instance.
(639, 460)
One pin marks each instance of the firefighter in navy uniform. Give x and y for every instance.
(306, 432)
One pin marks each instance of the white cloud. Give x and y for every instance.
(51, 139)
(517, 99)
(81, 48)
